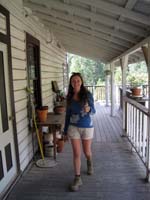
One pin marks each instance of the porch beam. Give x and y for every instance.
(85, 47)
(130, 4)
(52, 4)
(125, 36)
(66, 38)
(77, 34)
(118, 10)
(124, 64)
(133, 49)
(87, 55)
(85, 30)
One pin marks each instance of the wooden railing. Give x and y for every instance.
(98, 92)
(137, 123)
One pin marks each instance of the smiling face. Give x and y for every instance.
(76, 83)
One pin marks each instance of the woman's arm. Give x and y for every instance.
(91, 103)
(67, 120)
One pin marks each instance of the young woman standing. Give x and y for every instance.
(79, 126)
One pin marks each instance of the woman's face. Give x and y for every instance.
(76, 83)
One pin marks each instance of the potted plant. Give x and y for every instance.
(59, 102)
(135, 86)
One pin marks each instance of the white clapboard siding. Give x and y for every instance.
(20, 84)
(22, 114)
(17, 63)
(28, 151)
(20, 95)
(19, 74)
(53, 49)
(51, 69)
(24, 143)
(48, 101)
(51, 62)
(46, 81)
(17, 53)
(51, 58)
(22, 125)
(18, 44)
(50, 55)
(47, 87)
(17, 33)
(20, 105)
(23, 134)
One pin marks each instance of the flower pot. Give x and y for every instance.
(59, 109)
(136, 91)
(42, 113)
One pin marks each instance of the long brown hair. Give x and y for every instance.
(83, 93)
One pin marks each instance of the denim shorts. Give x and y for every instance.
(80, 133)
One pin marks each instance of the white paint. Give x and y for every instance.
(7, 136)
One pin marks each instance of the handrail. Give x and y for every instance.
(137, 118)
(136, 104)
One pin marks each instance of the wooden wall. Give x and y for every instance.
(52, 59)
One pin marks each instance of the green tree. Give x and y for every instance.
(92, 71)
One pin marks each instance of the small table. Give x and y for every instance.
(53, 120)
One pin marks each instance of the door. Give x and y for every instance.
(8, 165)
(33, 68)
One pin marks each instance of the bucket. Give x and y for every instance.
(49, 150)
(48, 138)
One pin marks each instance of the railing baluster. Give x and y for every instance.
(138, 131)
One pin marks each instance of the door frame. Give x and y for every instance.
(35, 42)
(6, 40)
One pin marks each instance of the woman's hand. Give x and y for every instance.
(87, 108)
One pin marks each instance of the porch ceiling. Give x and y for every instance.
(98, 29)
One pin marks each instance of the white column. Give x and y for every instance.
(107, 83)
(148, 133)
(107, 89)
(112, 91)
(124, 64)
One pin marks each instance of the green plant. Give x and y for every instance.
(135, 81)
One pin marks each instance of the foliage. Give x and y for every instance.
(91, 71)
(94, 72)
(137, 74)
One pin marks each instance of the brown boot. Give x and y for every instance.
(90, 169)
(76, 184)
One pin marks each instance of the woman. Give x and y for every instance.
(79, 126)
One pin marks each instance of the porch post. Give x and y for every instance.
(112, 91)
(107, 77)
(124, 64)
(146, 52)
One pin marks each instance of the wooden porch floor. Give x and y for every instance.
(119, 175)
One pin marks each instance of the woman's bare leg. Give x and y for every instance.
(76, 155)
